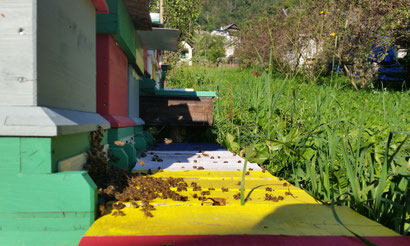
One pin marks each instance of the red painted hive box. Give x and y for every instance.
(112, 82)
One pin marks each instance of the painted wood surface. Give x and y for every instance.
(174, 110)
(59, 204)
(139, 53)
(18, 76)
(134, 96)
(66, 54)
(112, 81)
(191, 160)
(39, 155)
(119, 23)
(101, 6)
(47, 122)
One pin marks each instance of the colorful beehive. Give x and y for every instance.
(49, 104)
(47, 109)
(119, 60)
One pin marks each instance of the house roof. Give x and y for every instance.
(160, 39)
(139, 13)
(232, 26)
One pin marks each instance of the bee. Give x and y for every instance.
(167, 141)
(250, 169)
(206, 193)
(204, 154)
(119, 143)
(135, 205)
(195, 161)
(197, 188)
(285, 184)
(268, 189)
(148, 213)
(217, 201)
(237, 196)
(239, 183)
(118, 213)
(280, 198)
(212, 157)
(194, 167)
(239, 161)
(247, 173)
(198, 156)
(141, 163)
(118, 206)
(160, 169)
(224, 189)
(225, 161)
(211, 188)
(201, 168)
(195, 195)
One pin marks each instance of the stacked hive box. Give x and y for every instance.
(50, 101)
(117, 82)
(47, 109)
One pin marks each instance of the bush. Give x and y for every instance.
(312, 36)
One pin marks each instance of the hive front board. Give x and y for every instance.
(295, 218)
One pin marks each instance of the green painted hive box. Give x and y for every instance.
(119, 23)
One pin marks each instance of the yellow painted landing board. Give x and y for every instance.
(297, 214)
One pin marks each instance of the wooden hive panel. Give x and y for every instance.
(17, 49)
(176, 110)
(112, 81)
(119, 23)
(66, 54)
(133, 93)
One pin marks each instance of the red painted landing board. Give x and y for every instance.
(112, 82)
(101, 6)
(239, 240)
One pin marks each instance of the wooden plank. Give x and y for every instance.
(66, 54)
(175, 110)
(18, 53)
(75, 163)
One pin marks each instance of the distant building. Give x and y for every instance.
(187, 52)
(226, 32)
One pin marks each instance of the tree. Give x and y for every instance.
(208, 47)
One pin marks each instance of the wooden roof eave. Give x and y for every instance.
(139, 13)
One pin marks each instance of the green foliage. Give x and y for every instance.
(305, 38)
(343, 146)
(217, 13)
(209, 48)
(182, 15)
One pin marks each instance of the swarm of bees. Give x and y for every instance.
(156, 158)
(269, 197)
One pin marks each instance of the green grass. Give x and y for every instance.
(342, 146)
